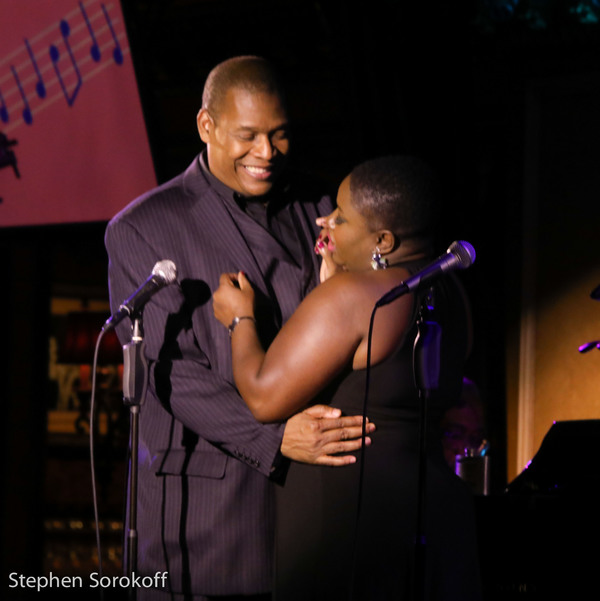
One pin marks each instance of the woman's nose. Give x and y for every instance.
(328, 221)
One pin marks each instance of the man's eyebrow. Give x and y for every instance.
(285, 126)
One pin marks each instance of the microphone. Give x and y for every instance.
(460, 255)
(163, 274)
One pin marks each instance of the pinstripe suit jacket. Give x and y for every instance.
(204, 494)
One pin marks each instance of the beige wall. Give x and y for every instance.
(547, 378)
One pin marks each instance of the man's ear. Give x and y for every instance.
(386, 241)
(205, 125)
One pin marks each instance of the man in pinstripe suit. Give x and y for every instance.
(206, 467)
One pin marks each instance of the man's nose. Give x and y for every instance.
(264, 147)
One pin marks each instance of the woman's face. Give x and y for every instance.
(351, 241)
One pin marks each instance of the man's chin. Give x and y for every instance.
(259, 188)
(259, 185)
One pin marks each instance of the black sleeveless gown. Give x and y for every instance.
(323, 552)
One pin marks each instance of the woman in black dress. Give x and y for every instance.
(355, 533)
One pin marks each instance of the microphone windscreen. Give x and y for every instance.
(166, 270)
(464, 252)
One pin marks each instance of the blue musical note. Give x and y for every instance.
(95, 49)
(65, 31)
(40, 88)
(117, 52)
(3, 109)
(27, 116)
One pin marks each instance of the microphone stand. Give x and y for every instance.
(426, 368)
(135, 378)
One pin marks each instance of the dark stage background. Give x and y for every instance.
(444, 80)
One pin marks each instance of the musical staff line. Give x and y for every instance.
(59, 96)
(51, 29)
(48, 66)
(58, 61)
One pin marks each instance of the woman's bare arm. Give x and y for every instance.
(313, 346)
(327, 332)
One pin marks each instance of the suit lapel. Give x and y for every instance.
(235, 232)
(257, 237)
(217, 223)
(241, 243)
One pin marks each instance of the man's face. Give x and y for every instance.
(462, 428)
(247, 143)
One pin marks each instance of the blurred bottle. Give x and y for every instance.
(474, 468)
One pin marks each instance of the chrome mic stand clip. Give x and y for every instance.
(135, 383)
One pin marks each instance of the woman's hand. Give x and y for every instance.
(322, 247)
(233, 298)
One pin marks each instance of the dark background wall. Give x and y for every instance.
(444, 80)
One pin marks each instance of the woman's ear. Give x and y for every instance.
(386, 241)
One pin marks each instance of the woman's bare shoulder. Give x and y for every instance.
(351, 293)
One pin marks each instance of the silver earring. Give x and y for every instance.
(377, 262)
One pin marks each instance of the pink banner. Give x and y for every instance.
(73, 144)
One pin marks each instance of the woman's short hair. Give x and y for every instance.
(399, 193)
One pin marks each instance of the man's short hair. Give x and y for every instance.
(251, 73)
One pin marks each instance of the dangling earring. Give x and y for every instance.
(377, 262)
